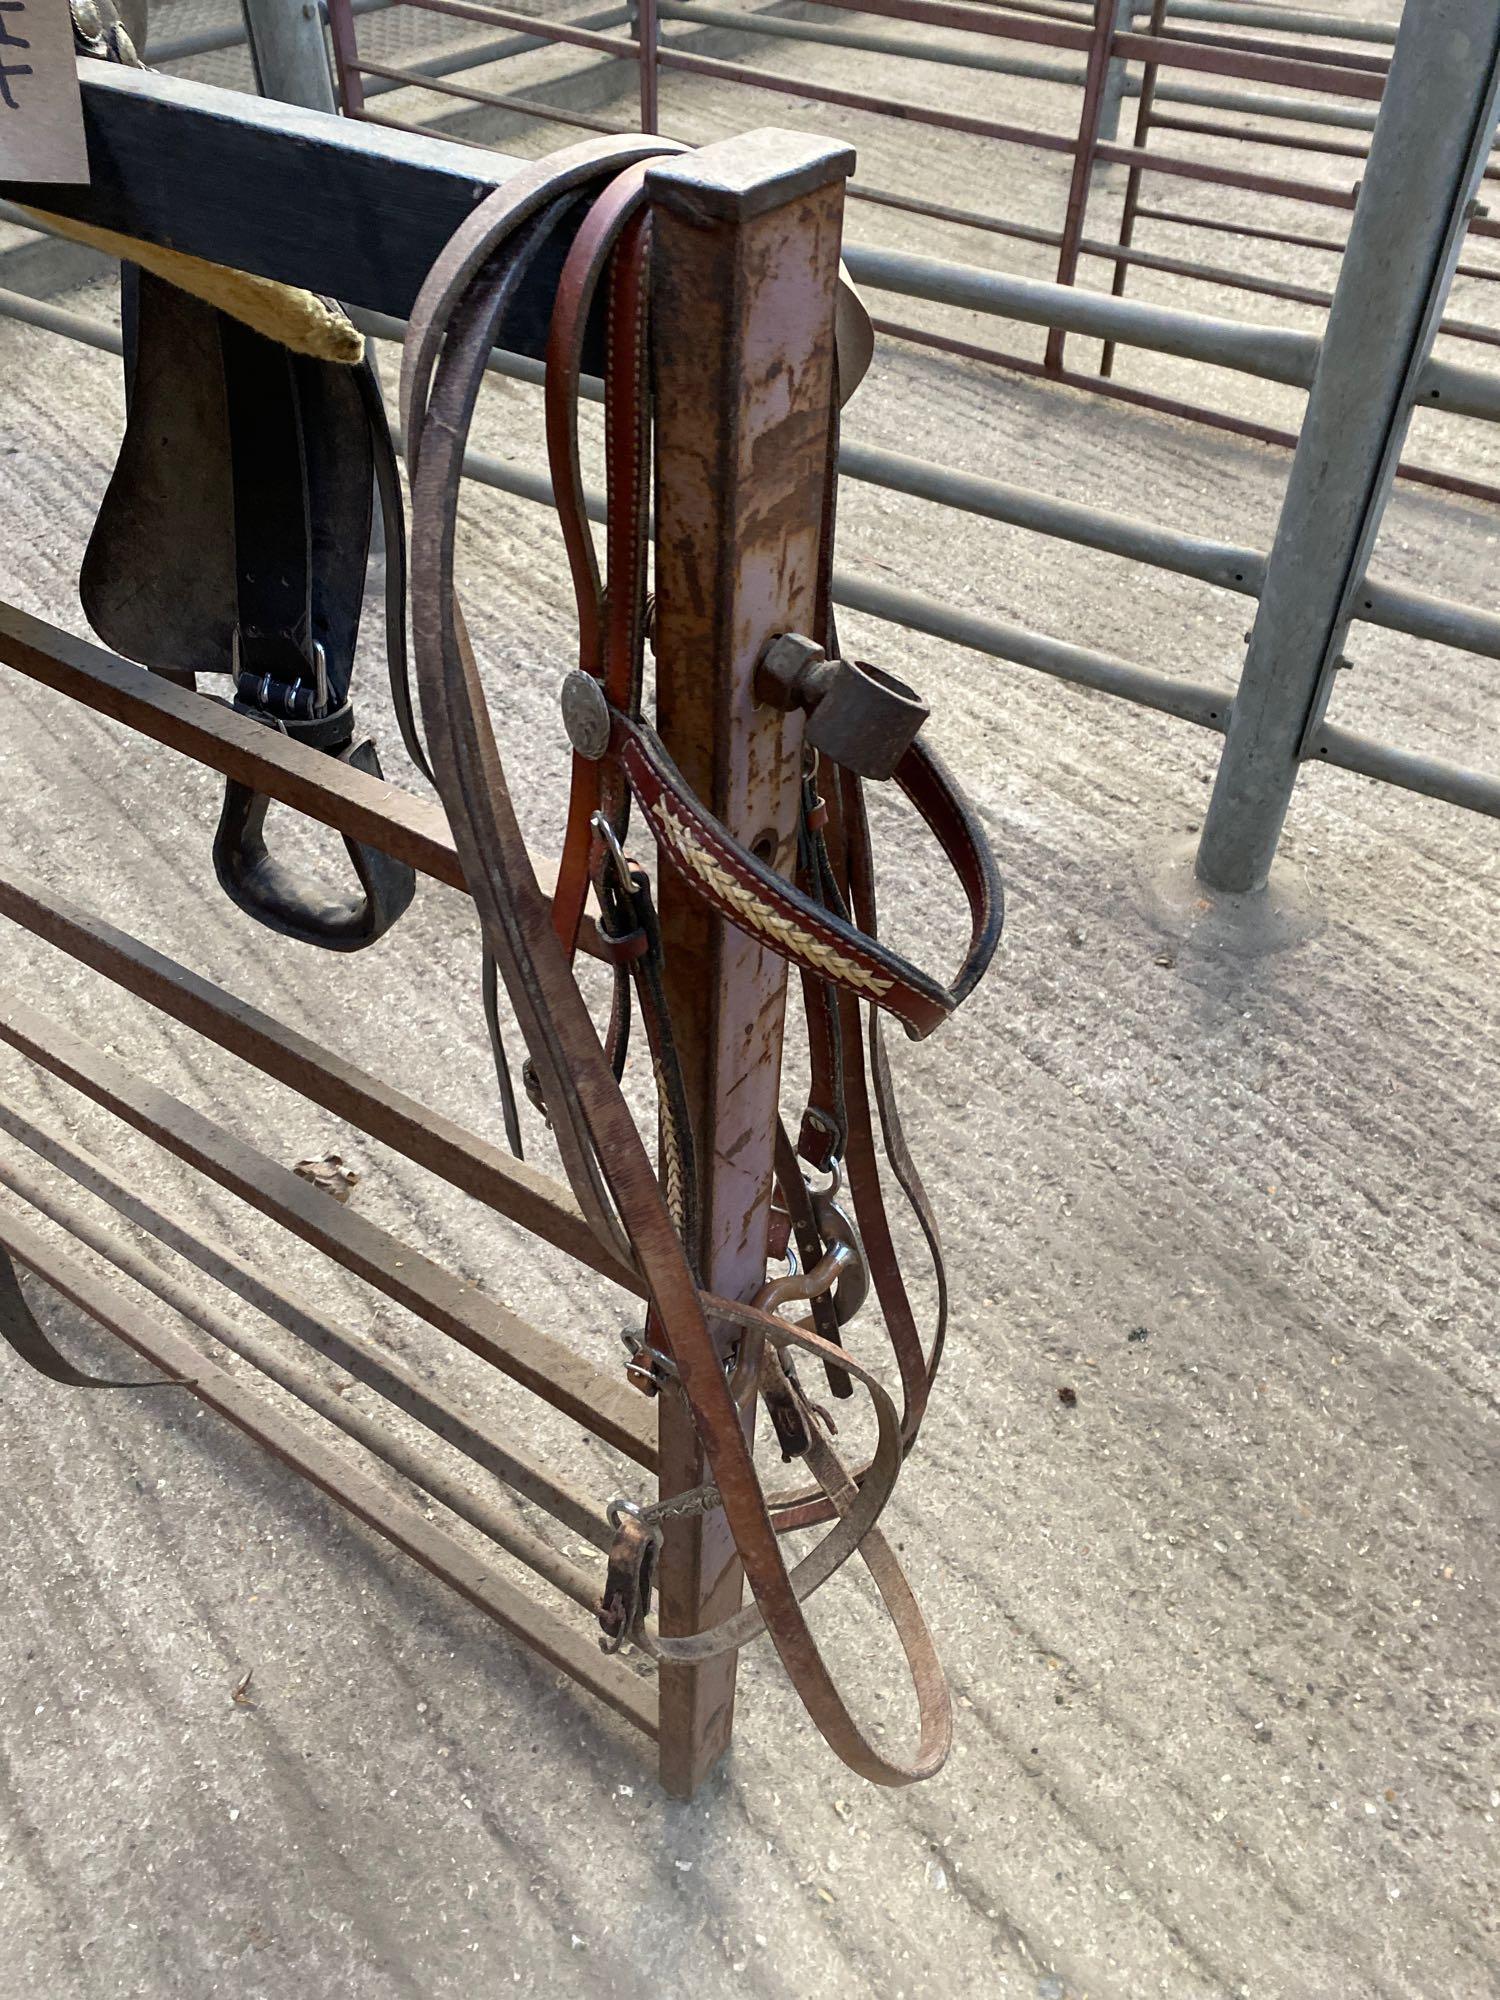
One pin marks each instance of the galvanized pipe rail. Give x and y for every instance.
(1426, 161)
(1274, 353)
(1227, 565)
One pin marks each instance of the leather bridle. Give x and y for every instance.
(823, 923)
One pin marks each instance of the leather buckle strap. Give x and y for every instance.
(24, 1334)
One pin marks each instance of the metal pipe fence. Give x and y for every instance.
(1179, 68)
(1174, 66)
(1276, 354)
(1241, 570)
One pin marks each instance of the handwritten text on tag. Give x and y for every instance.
(41, 118)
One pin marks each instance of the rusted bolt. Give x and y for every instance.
(787, 674)
(859, 715)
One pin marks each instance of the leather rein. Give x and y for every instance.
(823, 923)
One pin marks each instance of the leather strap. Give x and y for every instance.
(610, 629)
(23, 1333)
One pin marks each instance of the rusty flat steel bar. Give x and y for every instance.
(499, 48)
(648, 38)
(368, 809)
(1253, 47)
(462, 1158)
(995, 225)
(1293, 241)
(1255, 135)
(762, 79)
(375, 1368)
(345, 46)
(1317, 194)
(1317, 71)
(551, 31)
(1049, 32)
(783, 27)
(1084, 155)
(1226, 228)
(1342, 149)
(501, 1525)
(401, 1523)
(883, 106)
(601, 1403)
(1309, 71)
(1130, 206)
(365, 808)
(920, 114)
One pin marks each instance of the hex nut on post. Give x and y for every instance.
(786, 675)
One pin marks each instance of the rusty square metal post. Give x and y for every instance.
(744, 271)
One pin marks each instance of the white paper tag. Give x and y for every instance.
(41, 113)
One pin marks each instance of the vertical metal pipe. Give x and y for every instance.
(1084, 153)
(1430, 146)
(1114, 75)
(646, 33)
(1133, 179)
(286, 46)
(351, 85)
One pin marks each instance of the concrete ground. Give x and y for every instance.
(1222, 1633)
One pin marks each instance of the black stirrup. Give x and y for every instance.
(234, 539)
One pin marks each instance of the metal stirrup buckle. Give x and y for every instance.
(648, 1369)
(626, 1601)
